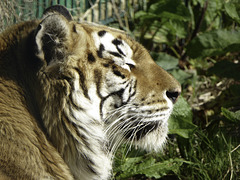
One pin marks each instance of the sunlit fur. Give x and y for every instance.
(71, 93)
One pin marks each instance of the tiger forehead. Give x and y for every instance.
(116, 49)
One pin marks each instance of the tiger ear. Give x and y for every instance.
(58, 9)
(53, 35)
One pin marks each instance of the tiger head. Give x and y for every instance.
(100, 76)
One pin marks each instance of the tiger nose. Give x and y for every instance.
(173, 94)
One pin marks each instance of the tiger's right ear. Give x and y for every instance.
(57, 9)
(53, 35)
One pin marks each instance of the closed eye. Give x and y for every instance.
(131, 66)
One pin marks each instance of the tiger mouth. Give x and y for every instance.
(139, 130)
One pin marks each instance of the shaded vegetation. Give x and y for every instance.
(198, 42)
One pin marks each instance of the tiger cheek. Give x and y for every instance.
(112, 91)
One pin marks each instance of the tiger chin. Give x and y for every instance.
(71, 93)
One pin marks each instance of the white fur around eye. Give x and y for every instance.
(121, 54)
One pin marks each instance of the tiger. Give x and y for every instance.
(72, 92)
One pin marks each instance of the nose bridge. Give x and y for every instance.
(162, 80)
(158, 81)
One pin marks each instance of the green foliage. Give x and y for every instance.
(234, 117)
(232, 10)
(149, 167)
(180, 122)
(164, 18)
(214, 43)
(226, 69)
(170, 64)
(198, 42)
(166, 61)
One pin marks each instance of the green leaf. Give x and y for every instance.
(163, 11)
(232, 116)
(180, 121)
(214, 8)
(226, 69)
(166, 61)
(129, 162)
(140, 14)
(146, 16)
(128, 167)
(180, 75)
(214, 43)
(175, 28)
(171, 10)
(152, 169)
(232, 11)
(201, 2)
(149, 167)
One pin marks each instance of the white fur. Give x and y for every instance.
(89, 120)
(106, 40)
(39, 36)
(154, 141)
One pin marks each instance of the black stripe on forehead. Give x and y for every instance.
(102, 33)
(115, 54)
(117, 42)
(120, 51)
(100, 51)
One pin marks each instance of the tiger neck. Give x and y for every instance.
(76, 132)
